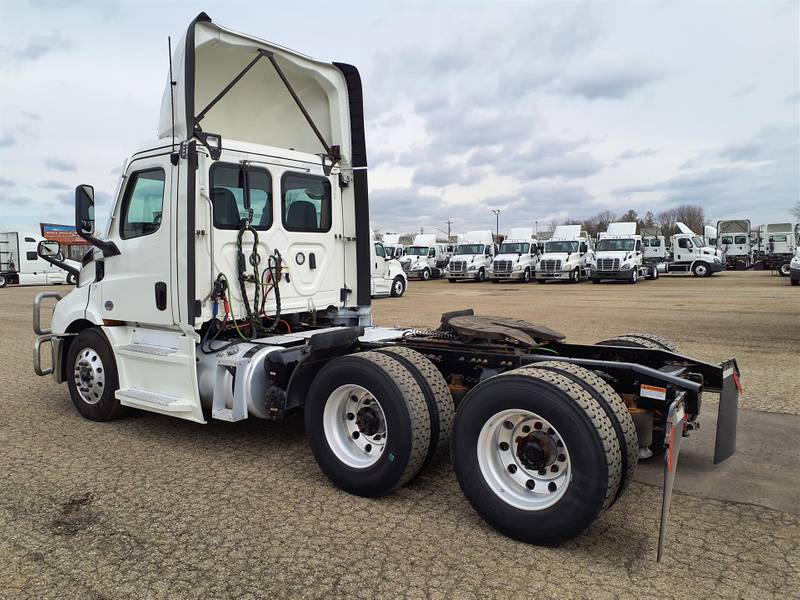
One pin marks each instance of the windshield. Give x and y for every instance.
(417, 251)
(615, 245)
(740, 239)
(778, 238)
(469, 249)
(514, 248)
(699, 242)
(561, 247)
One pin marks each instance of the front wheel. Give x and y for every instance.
(701, 269)
(426, 274)
(3, 281)
(634, 276)
(575, 276)
(481, 275)
(785, 269)
(92, 376)
(526, 276)
(451, 280)
(398, 287)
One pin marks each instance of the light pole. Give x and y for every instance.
(496, 212)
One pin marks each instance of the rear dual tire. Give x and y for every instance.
(538, 451)
(374, 419)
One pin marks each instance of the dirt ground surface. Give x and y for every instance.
(151, 507)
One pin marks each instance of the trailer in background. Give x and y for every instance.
(21, 265)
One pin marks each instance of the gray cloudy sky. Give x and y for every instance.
(545, 110)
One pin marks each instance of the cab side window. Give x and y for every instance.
(683, 243)
(142, 204)
(379, 250)
(305, 203)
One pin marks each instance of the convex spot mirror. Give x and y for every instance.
(47, 248)
(84, 209)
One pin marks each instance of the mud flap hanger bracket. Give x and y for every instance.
(213, 142)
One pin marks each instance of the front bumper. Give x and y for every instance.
(716, 267)
(557, 275)
(462, 275)
(623, 275)
(506, 275)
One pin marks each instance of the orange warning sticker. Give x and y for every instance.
(652, 391)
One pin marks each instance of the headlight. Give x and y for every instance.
(472, 268)
(518, 267)
(626, 266)
(717, 259)
(416, 268)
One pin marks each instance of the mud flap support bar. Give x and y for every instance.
(676, 422)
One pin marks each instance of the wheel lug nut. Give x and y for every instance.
(562, 457)
(508, 425)
(530, 484)
(353, 399)
(368, 447)
(503, 446)
(537, 425)
(526, 428)
(355, 435)
(552, 487)
(376, 437)
(350, 416)
(560, 444)
(512, 469)
(554, 469)
(542, 471)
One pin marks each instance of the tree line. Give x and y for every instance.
(691, 215)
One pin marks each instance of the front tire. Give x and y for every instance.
(3, 281)
(398, 287)
(92, 376)
(426, 274)
(785, 270)
(701, 269)
(526, 277)
(634, 276)
(481, 275)
(536, 455)
(367, 423)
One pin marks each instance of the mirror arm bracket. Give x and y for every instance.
(61, 265)
(107, 248)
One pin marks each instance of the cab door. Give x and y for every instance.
(380, 267)
(134, 285)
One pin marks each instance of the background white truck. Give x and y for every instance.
(567, 256)
(517, 257)
(735, 242)
(687, 253)
(473, 257)
(425, 258)
(21, 265)
(776, 247)
(619, 255)
(388, 277)
(392, 245)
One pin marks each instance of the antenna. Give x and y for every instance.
(171, 94)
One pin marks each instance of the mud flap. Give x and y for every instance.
(725, 441)
(676, 422)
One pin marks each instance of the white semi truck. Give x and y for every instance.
(233, 282)
(388, 277)
(735, 243)
(392, 245)
(473, 257)
(517, 257)
(794, 267)
(425, 258)
(619, 255)
(567, 256)
(777, 246)
(687, 253)
(21, 265)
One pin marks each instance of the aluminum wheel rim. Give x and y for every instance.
(513, 480)
(701, 270)
(398, 287)
(355, 426)
(785, 269)
(89, 376)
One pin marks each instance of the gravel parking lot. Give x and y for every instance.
(148, 506)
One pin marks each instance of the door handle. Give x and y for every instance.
(161, 295)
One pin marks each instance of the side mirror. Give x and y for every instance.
(47, 249)
(84, 209)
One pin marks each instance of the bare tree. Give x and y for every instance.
(630, 217)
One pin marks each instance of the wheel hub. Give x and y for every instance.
(89, 376)
(536, 450)
(368, 421)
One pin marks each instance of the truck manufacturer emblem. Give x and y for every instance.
(109, 305)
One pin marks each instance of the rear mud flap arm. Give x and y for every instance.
(676, 423)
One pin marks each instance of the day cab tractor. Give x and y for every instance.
(233, 282)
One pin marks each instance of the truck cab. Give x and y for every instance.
(388, 277)
(473, 257)
(425, 258)
(517, 257)
(568, 256)
(619, 255)
(690, 254)
(735, 242)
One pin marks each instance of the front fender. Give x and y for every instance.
(73, 307)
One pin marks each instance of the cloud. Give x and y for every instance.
(743, 91)
(7, 139)
(793, 98)
(609, 82)
(37, 46)
(631, 154)
(53, 185)
(59, 164)
(6, 182)
(18, 200)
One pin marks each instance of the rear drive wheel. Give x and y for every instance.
(654, 273)
(367, 423)
(92, 376)
(701, 269)
(441, 407)
(398, 287)
(642, 340)
(536, 455)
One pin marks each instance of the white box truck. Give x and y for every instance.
(517, 257)
(425, 258)
(619, 255)
(473, 257)
(233, 282)
(21, 265)
(735, 242)
(567, 256)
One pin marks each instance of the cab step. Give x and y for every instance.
(153, 401)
